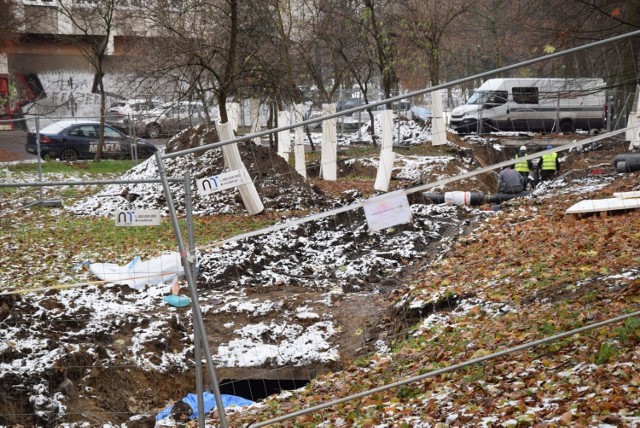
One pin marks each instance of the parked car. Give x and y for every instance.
(421, 114)
(313, 114)
(72, 140)
(402, 106)
(123, 113)
(172, 118)
(346, 104)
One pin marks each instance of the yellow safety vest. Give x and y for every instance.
(521, 166)
(549, 162)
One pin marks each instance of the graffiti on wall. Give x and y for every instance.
(5, 102)
(65, 94)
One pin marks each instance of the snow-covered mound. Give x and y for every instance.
(280, 187)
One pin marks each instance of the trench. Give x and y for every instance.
(258, 389)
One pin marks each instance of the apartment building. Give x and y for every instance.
(43, 70)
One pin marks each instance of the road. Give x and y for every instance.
(12, 146)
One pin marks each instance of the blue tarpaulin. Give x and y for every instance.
(209, 403)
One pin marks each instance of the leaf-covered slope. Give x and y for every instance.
(528, 273)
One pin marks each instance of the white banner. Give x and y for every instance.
(138, 218)
(219, 182)
(387, 210)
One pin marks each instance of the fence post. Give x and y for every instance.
(186, 259)
(40, 191)
(197, 344)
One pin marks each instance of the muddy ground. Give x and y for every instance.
(125, 393)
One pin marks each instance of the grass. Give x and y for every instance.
(101, 235)
(46, 244)
(91, 168)
(47, 247)
(71, 171)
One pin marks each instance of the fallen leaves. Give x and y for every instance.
(570, 274)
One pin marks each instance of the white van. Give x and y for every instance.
(532, 105)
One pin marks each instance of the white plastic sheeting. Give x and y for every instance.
(139, 273)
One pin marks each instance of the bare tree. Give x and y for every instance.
(10, 21)
(204, 47)
(359, 54)
(94, 21)
(425, 26)
(379, 22)
(321, 32)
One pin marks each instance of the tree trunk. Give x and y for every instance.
(98, 155)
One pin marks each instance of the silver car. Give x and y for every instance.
(172, 118)
(123, 113)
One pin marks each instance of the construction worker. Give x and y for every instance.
(509, 181)
(524, 168)
(549, 165)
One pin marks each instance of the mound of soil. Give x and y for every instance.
(279, 186)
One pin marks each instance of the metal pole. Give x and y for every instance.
(86, 182)
(197, 351)
(39, 156)
(558, 115)
(188, 271)
(398, 121)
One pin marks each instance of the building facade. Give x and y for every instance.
(45, 69)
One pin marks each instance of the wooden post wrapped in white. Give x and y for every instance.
(231, 154)
(387, 156)
(328, 165)
(438, 125)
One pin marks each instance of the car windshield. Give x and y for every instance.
(112, 133)
(488, 97)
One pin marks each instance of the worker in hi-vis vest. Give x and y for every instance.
(549, 165)
(525, 168)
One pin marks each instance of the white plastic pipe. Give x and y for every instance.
(233, 113)
(633, 122)
(298, 147)
(386, 123)
(387, 156)
(385, 167)
(254, 108)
